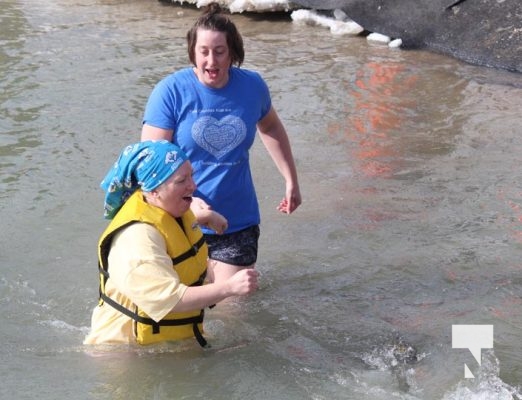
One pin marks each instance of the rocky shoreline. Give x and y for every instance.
(481, 32)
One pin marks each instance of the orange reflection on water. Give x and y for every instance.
(369, 128)
(378, 96)
(514, 221)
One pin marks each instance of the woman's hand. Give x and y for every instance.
(243, 282)
(216, 222)
(208, 217)
(291, 201)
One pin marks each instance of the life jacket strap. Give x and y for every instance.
(190, 252)
(164, 322)
(199, 337)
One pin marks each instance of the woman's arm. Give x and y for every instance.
(208, 217)
(241, 283)
(149, 132)
(142, 270)
(275, 139)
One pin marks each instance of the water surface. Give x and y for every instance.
(409, 164)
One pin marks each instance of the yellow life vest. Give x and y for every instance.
(188, 250)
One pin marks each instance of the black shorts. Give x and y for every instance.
(237, 248)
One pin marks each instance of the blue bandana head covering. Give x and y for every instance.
(144, 165)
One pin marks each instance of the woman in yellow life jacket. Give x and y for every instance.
(152, 256)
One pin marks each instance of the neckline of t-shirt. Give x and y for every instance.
(209, 88)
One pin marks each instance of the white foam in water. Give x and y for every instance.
(64, 326)
(486, 386)
(382, 362)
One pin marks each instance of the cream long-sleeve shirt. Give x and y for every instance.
(141, 274)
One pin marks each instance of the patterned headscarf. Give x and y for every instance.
(144, 165)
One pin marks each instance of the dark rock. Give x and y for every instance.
(480, 32)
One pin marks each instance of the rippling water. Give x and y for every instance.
(410, 170)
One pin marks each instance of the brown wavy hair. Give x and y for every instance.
(213, 19)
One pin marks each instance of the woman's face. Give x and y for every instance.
(212, 57)
(175, 194)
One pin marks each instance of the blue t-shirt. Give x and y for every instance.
(216, 128)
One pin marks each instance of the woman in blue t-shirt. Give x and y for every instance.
(212, 111)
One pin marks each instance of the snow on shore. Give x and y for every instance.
(238, 6)
(339, 23)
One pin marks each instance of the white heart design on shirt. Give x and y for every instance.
(219, 137)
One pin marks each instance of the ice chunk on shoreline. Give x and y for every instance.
(395, 43)
(378, 38)
(239, 6)
(338, 27)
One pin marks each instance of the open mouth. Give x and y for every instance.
(212, 73)
(188, 199)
